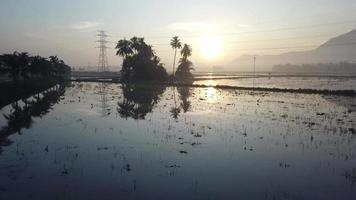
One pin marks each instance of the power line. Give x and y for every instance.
(264, 40)
(259, 31)
(280, 48)
(294, 47)
(277, 39)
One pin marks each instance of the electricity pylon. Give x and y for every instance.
(103, 65)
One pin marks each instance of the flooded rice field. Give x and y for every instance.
(112, 141)
(323, 83)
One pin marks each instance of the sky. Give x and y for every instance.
(218, 31)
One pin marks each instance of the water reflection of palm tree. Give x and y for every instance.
(125, 109)
(21, 117)
(138, 100)
(43, 105)
(175, 111)
(184, 93)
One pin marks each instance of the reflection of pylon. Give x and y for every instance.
(103, 65)
(103, 99)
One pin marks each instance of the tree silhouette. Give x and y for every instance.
(12, 65)
(39, 66)
(185, 65)
(175, 44)
(23, 60)
(21, 64)
(140, 61)
(124, 48)
(186, 51)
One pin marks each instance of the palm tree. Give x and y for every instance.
(13, 67)
(24, 60)
(36, 66)
(21, 64)
(137, 43)
(186, 51)
(185, 65)
(184, 68)
(124, 48)
(54, 59)
(55, 64)
(175, 44)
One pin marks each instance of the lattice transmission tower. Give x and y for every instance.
(103, 65)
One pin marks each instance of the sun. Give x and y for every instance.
(211, 46)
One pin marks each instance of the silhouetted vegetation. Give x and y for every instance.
(185, 66)
(138, 100)
(342, 67)
(23, 66)
(175, 44)
(140, 61)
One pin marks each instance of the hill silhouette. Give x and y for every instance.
(339, 49)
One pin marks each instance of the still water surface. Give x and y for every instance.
(111, 141)
(320, 83)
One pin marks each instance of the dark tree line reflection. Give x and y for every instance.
(184, 94)
(175, 110)
(23, 111)
(185, 104)
(139, 100)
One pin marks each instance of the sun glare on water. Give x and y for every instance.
(211, 47)
(210, 94)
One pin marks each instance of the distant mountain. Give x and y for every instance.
(335, 50)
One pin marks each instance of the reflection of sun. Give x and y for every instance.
(210, 94)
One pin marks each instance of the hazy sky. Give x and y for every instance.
(67, 28)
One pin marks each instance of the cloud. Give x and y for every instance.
(85, 25)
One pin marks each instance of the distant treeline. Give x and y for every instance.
(23, 66)
(342, 67)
